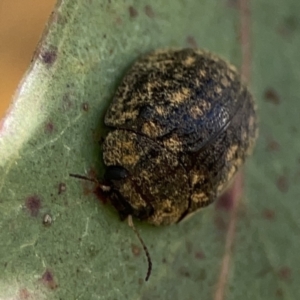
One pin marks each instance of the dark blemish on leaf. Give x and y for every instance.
(104, 36)
(48, 56)
(184, 272)
(24, 294)
(191, 41)
(285, 273)
(149, 11)
(272, 146)
(225, 201)
(61, 188)
(48, 280)
(289, 26)
(164, 261)
(268, 214)
(199, 255)
(279, 293)
(271, 95)
(85, 106)
(49, 127)
(132, 12)
(136, 251)
(33, 205)
(47, 220)
(282, 184)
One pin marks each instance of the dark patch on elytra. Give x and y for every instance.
(33, 205)
(132, 12)
(282, 184)
(136, 250)
(285, 273)
(268, 214)
(49, 127)
(49, 56)
(271, 96)
(48, 280)
(149, 11)
(191, 41)
(85, 106)
(61, 188)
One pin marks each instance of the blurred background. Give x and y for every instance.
(21, 25)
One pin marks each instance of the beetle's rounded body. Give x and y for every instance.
(183, 123)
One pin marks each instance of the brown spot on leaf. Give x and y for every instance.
(225, 202)
(271, 96)
(279, 293)
(233, 192)
(272, 146)
(282, 184)
(268, 214)
(136, 251)
(285, 273)
(191, 41)
(48, 280)
(49, 127)
(184, 272)
(33, 205)
(289, 26)
(149, 11)
(48, 56)
(61, 188)
(132, 12)
(199, 255)
(85, 106)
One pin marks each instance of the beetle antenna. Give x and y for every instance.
(130, 223)
(84, 178)
(105, 188)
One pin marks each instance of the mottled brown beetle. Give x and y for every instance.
(183, 123)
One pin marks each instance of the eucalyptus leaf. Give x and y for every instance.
(58, 240)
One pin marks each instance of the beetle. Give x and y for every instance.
(182, 124)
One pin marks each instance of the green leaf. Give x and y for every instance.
(58, 241)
